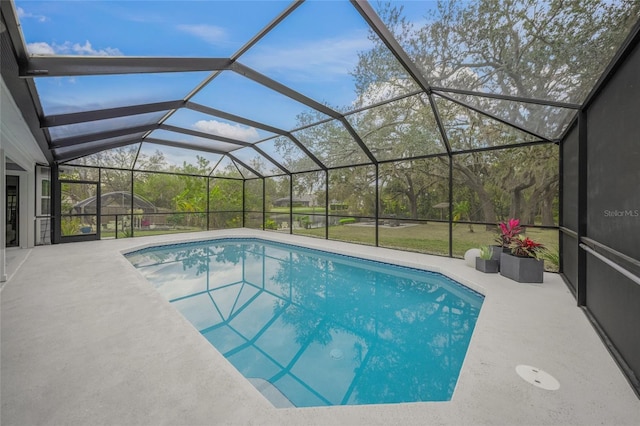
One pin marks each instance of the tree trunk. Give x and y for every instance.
(412, 197)
(541, 201)
(488, 210)
(516, 209)
(413, 206)
(547, 207)
(530, 210)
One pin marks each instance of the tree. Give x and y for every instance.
(410, 185)
(225, 199)
(462, 211)
(529, 49)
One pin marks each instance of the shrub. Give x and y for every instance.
(70, 226)
(175, 219)
(126, 232)
(304, 222)
(553, 259)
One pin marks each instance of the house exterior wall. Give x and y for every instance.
(18, 145)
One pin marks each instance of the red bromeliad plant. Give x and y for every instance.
(509, 231)
(525, 247)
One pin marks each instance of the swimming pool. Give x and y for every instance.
(312, 328)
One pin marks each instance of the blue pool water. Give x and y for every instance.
(321, 328)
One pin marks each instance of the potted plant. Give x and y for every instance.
(524, 263)
(508, 231)
(485, 263)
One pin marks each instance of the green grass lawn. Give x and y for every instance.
(431, 238)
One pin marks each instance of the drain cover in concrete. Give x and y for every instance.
(537, 377)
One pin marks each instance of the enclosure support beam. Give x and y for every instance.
(271, 159)
(377, 205)
(561, 233)
(491, 116)
(56, 209)
(291, 204)
(255, 172)
(290, 93)
(244, 204)
(104, 114)
(203, 135)
(326, 203)
(264, 202)
(231, 117)
(132, 206)
(450, 206)
(92, 137)
(99, 204)
(208, 201)
(376, 24)
(164, 142)
(581, 288)
(443, 132)
(507, 97)
(83, 151)
(64, 66)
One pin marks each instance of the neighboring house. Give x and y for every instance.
(119, 203)
(114, 203)
(301, 201)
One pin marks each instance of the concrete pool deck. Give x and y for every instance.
(87, 341)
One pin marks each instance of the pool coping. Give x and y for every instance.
(86, 342)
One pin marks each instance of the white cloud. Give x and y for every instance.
(24, 15)
(209, 33)
(69, 48)
(316, 59)
(219, 128)
(41, 48)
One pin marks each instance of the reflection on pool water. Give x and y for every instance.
(319, 328)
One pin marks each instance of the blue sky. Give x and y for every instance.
(145, 28)
(313, 51)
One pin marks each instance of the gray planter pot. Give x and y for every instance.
(496, 251)
(521, 269)
(490, 266)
